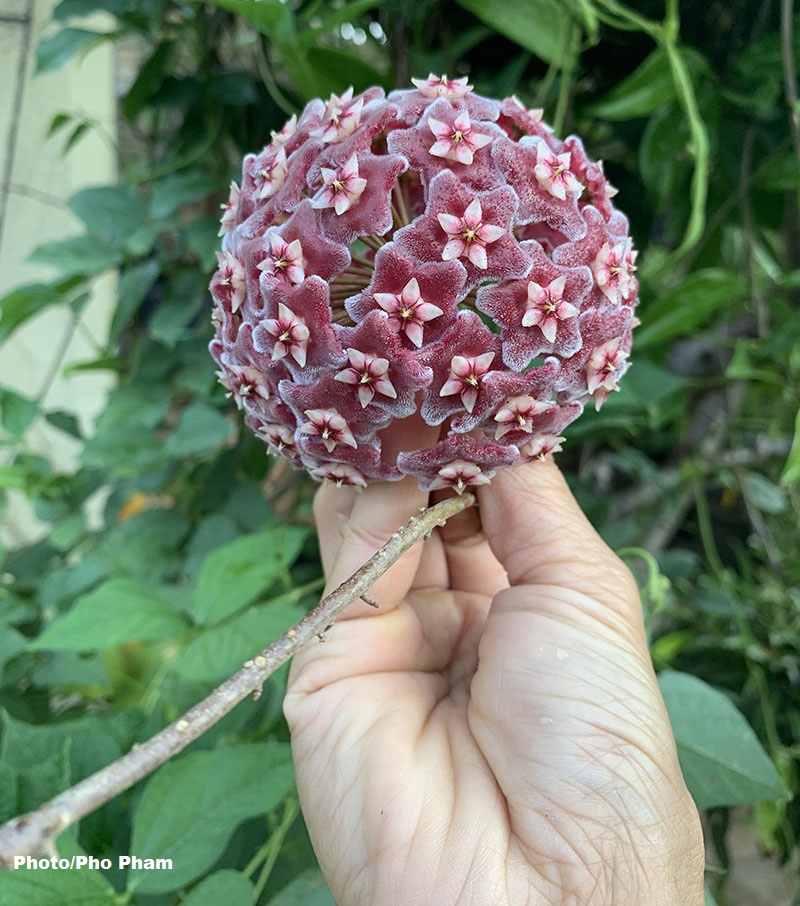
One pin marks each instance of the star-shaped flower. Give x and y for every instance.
(553, 172)
(442, 87)
(285, 260)
(342, 474)
(228, 220)
(280, 439)
(269, 174)
(342, 118)
(408, 311)
(457, 458)
(291, 333)
(613, 269)
(369, 373)
(465, 378)
(487, 247)
(518, 414)
(540, 446)
(329, 426)
(229, 284)
(469, 235)
(458, 141)
(280, 138)
(546, 307)
(341, 187)
(604, 369)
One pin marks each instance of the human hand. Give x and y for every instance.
(493, 734)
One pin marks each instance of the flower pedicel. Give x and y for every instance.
(428, 284)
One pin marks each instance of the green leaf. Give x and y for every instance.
(149, 80)
(234, 575)
(191, 807)
(11, 643)
(134, 285)
(77, 256)
(13, 477)
(650, 87)
(227, 886)
(689, 305)
(120, 610)
(544, 27)
(17, 413)
(710, 901)
(791, 471)
(221, 650)
(55, 52)
(722, 760)
(66, 422)
(200, 429)
(69, 9)
(74, 136)
(23, 303)
(264, 14)
(171, 192)
(307, 889)
(763, 494)
(113, 213)
(61, 887)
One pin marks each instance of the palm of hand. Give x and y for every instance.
(475, 743)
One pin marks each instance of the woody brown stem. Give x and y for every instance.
(35, 832)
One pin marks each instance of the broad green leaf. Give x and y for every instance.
(307, 889)
(266, 15)
(149, 80)
(8, 795)
(77, 256)
(763, 494)
(132, 289)
(234, 575)
(544, 27)
(23, 303)
(13, 477)
(170, 192)
(76, 9)
(11, 643)
(120, 610)
(56, 51)
(144, 545)
(70, 887)
(791, 471)
(191, 807)
(112, 213)
(689, 305)
(648, 88)
(227, 886)
(200, 429)
(221, 650)
(92, 742)
(66, 422)
(17, 413)
(722, 760)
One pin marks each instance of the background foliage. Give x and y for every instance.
(109, 631)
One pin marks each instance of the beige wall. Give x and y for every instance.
(36, 181)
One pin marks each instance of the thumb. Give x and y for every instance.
(541, 536)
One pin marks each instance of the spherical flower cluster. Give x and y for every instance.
(428, 284)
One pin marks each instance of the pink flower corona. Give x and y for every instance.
(428, 283)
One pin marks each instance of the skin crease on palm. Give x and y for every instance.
(493, 734)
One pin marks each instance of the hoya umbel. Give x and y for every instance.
(429, 284)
